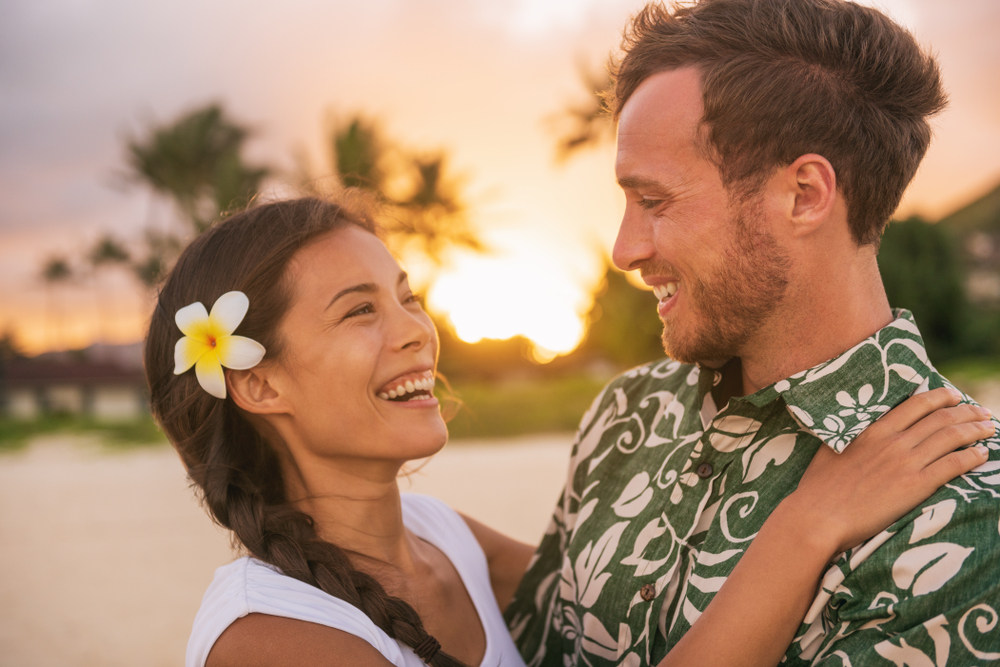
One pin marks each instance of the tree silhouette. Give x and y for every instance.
(623, 326)
(588, 123)
(196, 162)
(424, 208)
(56, 274)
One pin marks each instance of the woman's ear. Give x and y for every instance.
(252, 391)
(811, 184)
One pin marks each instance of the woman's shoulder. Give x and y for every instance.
(249, 586)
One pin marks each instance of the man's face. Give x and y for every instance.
(715, 267)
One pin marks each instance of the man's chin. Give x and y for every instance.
(694, 354)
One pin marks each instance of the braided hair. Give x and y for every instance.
(236, 471)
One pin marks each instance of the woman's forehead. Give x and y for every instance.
(342, 258)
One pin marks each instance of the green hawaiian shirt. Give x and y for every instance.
(665, 491)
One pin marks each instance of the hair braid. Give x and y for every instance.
(286, 538)
(235, 469)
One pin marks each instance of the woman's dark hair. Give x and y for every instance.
(235, 469)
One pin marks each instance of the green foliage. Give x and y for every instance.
(196, 161)
(56, 270)
(981, 215)
(517, 407)
(922, 272)
(357, 153)
(10, 348)
(108, 251)
(485, 361)
(16, 433)
(624, 326)
(424, 209)
(588, 123)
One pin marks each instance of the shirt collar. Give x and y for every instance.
(838, 399)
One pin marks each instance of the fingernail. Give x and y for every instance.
(988, 426)
(986, 412)
(983, 451)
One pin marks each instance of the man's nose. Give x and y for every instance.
(634, 244)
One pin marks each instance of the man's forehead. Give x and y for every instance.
(664, 103)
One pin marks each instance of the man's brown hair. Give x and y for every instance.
(782, 78)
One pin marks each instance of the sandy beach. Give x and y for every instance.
(105, 554)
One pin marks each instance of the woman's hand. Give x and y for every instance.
(893, 466)
(842, 499)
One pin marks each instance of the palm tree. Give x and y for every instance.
(424, 209)
(585, 124)
(196, 162)
(105, 254)
(433, 217)
(56, 273)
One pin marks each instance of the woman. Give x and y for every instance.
(329, 392)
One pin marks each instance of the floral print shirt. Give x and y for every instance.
(665, 491)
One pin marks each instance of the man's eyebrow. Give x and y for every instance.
(364, 288)
(641, 182)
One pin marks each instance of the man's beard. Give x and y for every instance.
(734, 302)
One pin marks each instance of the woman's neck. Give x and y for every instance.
(355, 505)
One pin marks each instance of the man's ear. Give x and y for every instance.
(811, 186)
(252, 391)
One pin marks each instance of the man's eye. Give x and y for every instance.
(649, 203)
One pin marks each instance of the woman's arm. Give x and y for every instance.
(261, 640)
(507, 559)
(842, 499)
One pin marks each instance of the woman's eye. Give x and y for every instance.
(361, 310)
(413, 298)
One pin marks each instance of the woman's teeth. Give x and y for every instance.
(423, 386)
(665, 291)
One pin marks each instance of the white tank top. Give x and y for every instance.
(249, 586)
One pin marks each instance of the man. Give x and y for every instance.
(762, 147)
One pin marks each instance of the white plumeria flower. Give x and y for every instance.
(208, 343)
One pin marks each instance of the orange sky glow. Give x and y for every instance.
(477, 78)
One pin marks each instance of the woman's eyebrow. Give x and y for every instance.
(364, 288)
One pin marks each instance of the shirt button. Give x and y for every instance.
(705, 470)
(647, 592)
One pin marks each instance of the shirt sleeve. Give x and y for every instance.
(532, 616)
(931, 594)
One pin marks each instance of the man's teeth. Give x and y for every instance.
(665, 291)
(408, 387)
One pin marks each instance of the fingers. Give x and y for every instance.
(957, 426)
(916, 407)
(952, 465)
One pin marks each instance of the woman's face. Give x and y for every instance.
(355, 335)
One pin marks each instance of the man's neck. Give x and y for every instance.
(826, 316)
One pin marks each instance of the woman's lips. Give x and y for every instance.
(409, 387)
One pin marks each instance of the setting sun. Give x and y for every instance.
(523, 293)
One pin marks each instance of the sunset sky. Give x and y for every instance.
(475, 77)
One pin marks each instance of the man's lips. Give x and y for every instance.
(666, 290)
